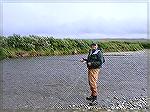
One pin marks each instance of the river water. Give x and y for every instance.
(60, 81)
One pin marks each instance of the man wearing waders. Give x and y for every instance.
(94, 63)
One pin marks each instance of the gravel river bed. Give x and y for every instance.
(50, 83)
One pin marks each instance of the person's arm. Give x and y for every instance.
(100, 57)
(85, 59)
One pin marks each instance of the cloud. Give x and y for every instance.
(74, 18)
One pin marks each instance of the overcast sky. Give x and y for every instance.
(76, 20)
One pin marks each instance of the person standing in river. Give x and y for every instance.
(94, 62)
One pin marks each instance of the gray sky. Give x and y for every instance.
(76, 20)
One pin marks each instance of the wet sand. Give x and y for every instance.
(56, 82)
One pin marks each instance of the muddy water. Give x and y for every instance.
(60, 81)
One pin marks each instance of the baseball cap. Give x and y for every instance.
(93, 44)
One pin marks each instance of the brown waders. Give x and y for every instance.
(92, 78)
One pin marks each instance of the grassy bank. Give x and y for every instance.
(23, 46)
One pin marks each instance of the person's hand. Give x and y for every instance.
(89, 63)
(82, 60)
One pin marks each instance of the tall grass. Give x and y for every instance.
(17, 46)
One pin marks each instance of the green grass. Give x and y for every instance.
(22, 46)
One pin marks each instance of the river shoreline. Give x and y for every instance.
(34, 54)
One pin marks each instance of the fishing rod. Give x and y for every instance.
(76, 60)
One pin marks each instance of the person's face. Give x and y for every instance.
(93, 47)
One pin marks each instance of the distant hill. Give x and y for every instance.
(119, 39)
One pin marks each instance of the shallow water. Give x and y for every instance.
(59, 81)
